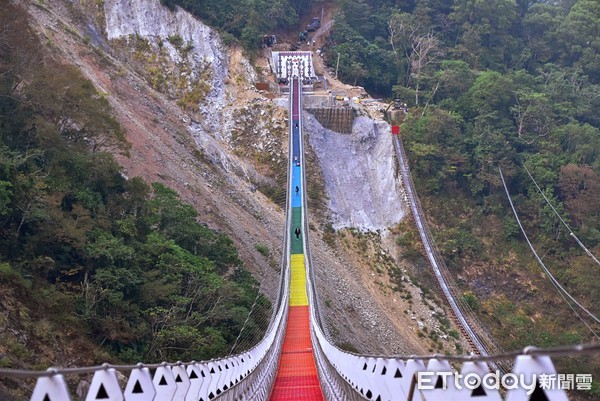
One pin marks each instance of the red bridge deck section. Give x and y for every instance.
(297, 375)
(295, 104)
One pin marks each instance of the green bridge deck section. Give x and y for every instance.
(297, 245)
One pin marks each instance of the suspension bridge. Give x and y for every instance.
(296, 360)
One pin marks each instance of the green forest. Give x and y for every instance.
(86, 253)
(246, 21)
(491, 83)
(500, 83)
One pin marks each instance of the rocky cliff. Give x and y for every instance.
(360, 176)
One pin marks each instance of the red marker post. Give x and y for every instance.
(395, 129)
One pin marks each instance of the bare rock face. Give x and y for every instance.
(191, 55)
(151, 20)
(358, 168)
(360, 175)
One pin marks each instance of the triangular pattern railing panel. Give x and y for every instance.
(105, 386)
(139, 386)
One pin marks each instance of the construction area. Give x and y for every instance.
(334, 104)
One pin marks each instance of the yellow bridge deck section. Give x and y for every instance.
(298, 295)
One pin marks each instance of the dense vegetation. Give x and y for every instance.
(86, 251)
(496, 83)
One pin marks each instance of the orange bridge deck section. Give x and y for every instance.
(297, 374)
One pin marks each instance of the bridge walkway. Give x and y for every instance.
(297, 377)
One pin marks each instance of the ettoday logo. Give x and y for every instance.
(509, 381)
(472, 381)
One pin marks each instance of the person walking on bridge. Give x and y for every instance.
(297, 232)
(297, 190)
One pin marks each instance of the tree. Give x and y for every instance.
(487, 31)
(582, 143)
(434, 142)
(424, 52)
(420, 49)
(580, 37)
(579, 188)
(454, 78)
(5, 197)
(540, 25)
(492, 93)
(533, 115)
(358, 71)
(401, 30)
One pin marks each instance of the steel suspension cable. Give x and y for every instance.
(235, 343)
(576, 313)
(586, 250)
(569, 350)
(552, 279)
